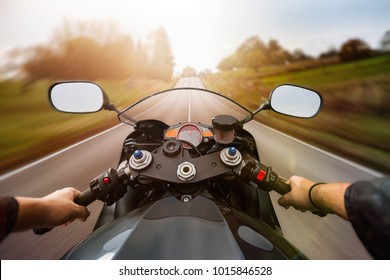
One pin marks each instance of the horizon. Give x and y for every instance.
(203, 32)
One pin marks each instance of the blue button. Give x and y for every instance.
(232, 151)
(138, 154)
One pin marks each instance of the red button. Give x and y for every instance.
(106, 180)
(261, 175)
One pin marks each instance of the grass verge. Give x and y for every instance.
(30, 128)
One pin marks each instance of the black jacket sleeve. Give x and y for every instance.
(368, 209)
(8, 213)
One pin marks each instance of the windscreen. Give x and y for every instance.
(183, 105)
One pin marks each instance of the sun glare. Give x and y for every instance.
(195, 28)
(190, 26)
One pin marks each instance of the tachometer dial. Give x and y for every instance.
(190, 133)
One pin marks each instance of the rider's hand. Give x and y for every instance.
(298, 196)
(57, 208)
(328, 197)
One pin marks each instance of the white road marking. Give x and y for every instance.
(32, 164)
(189, 106)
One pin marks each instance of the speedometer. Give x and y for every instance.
(190, 133)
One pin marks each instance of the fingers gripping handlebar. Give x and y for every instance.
(107, 187)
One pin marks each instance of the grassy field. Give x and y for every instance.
(355, 118)
(31, 128)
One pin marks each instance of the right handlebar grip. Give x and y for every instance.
(281, 187)
(85, 198)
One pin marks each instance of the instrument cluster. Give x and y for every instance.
(194, 133)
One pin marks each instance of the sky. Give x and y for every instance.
(203, 32)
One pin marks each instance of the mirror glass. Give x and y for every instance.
(295, 101)
(76, 97)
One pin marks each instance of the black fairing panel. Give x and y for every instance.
(171, 229)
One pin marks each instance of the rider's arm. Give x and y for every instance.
(365, 204)
(8, 214)
(23, 213)
(55, 209)
(329, 197)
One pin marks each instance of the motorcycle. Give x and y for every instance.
(187, 190)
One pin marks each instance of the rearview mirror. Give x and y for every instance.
(295, 101)
(76, 97)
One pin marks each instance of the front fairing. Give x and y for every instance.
(181, 105)
(171, 229)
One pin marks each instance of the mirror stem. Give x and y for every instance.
(264, 106)
(111, 107)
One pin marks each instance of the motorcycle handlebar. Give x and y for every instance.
(263, 176)
(110, 183)
(85, 198)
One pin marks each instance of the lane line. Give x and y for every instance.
(189, 106)
(151, 108)
(34, 163)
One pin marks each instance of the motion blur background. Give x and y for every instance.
(241, 48)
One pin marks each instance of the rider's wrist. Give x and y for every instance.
(319, 210)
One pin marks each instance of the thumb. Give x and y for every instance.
(83, 213)
(282, 202)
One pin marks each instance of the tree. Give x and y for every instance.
(118, 56)
(228, 63)
(300, 55)
(189, 72)
(276, 55)
(251, 54)
(354, 49)
(255, 54)
(80, 58)
(40, 64)
(330, 53)
(385, 42)
(87, 51)
(161, 60)
(140, 60)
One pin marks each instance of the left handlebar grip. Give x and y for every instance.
(84, 199)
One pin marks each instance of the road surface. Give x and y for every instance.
(318, 238)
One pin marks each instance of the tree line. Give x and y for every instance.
(92, 51)
(255, 54)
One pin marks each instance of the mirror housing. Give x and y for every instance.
(290, 100)
(77, 97)
(295, 101)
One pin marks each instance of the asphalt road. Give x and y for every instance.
(318, 238)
